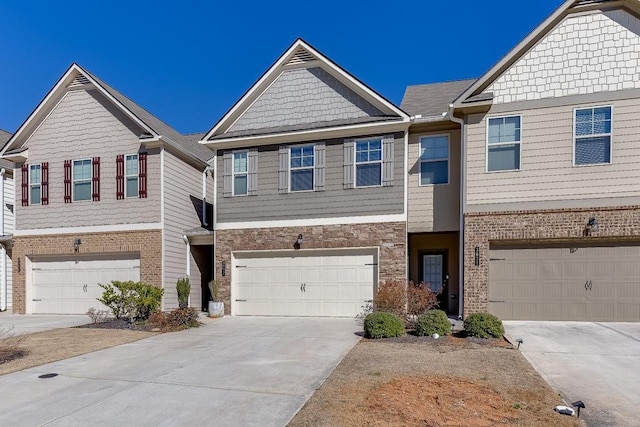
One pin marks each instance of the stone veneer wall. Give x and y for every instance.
(146, 243)
(389, 237)
(535, 227)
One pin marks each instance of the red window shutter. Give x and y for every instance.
(67, 181)
(25, 184)
(45, 183)
(120, 176)
(96, 179)
(142, 175)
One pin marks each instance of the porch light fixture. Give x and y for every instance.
(298, 242)
(76, 245)
(592, 226)
(224, 268)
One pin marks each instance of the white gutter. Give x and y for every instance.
(463, 131)
(3, 250)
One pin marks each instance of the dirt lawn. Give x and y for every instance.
(57, 344)
(420, 381)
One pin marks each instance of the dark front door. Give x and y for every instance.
(434, 274)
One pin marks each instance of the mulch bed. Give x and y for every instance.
(7, 355)
(119, 324)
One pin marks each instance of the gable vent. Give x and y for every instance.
(301, 56)
(80, 80)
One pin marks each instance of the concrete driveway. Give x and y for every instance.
(598, 363)
(230, 372)
(30, 323)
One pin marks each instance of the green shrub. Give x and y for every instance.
(175, 320)
(483, 325)
(433, 322)
(134, 300)
(383, 325)
(183, 288)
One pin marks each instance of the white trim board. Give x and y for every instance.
(90, 229)
(372, 219)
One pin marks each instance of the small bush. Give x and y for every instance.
(391, 297)
(214, 287)
(97, 316)
(175, 320)
(433, 322)
(383, 325)
(420, 299)
(183, 288)
(11, 345)
(483, 325)
(134, 300)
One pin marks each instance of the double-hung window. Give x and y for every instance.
(131, 175)
(240, 173)
(82, 180)
(369, 163)
(301, 167)
(503, 143)
(434, 159)
(35, 184)
(592, 132)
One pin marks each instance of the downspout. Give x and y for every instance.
(3, 250)
(204, 194)
(463, 133)
(188, 245)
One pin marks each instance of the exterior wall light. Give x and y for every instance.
(592, 226)
(298, 242)
(76, 245)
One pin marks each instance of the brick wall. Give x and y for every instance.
(539, 227)
(389, 237)
(146, 243)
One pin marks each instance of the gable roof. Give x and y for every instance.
(300, 55)
(474, 92)
(152, 126)
(433, 99)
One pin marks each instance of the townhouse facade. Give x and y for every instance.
(514, 193)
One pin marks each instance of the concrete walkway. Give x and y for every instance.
(598, 363)
(231, 372)
(30, 323)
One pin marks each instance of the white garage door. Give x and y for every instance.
(70, 285)
(332, 284)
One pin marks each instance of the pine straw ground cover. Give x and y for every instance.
(453, 381)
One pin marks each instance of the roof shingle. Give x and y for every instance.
(432, 99)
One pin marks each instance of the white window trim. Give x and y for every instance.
(313, 168)
(448, 159)
(73, 180)
(137, 176)
(31, 184)
(610, 135)
(486, 143)
(356, 163)
(234, 173)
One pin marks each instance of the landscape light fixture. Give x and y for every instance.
(76, 245)
(592, 226)
(298, 242)
(579, 404)
(519, 341)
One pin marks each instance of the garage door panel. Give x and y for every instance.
(599, 283)
(303, 285)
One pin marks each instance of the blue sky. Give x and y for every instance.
(188, 62)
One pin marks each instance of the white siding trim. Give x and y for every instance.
(406, 175)
(90, 229)
(162, 221)
(372, 219)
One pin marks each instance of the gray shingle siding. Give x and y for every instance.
(303, 96)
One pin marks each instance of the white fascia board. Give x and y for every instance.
(89, 229)
(371, 219)
(310, 135)
(513, 54)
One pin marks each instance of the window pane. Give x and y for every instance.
(132, 165)
(368, 175)
(82, 191)
(296, 162)
(494, 130)
(434, 148)
(362, 156)
(132, 186)
(36, 174)
(602, 113)
(302, 180)
(307, 151)
(307, 161)
(504, 157)
(593, 150)
(506, 129)
(35, 195)
(240, 184)
(584, 128)
(240, 162)
(375, 155)
(434, 173)
(81, 169)
(376, 144)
